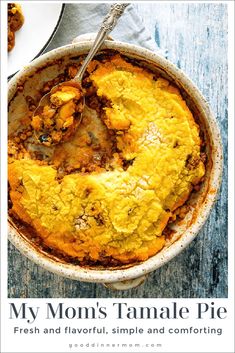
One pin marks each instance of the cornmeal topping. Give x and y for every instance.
(117, 212)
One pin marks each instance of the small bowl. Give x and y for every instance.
(49, 66)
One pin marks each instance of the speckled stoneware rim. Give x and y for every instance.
(165, 255)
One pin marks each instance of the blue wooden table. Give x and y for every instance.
(196, 38)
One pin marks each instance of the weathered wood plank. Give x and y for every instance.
(196, 38)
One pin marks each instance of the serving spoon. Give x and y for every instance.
(108, 24)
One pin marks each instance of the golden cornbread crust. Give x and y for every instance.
(107, 195)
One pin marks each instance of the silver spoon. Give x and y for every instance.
(106, 27)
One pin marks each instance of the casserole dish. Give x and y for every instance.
(47, 67)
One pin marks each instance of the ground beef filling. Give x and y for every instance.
(15, 22)
(108, 194)
(58, 115)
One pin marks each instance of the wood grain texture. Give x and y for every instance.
(196, 38)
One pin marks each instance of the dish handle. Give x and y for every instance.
(128, 284)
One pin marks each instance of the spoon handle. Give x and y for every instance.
(108, 24)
